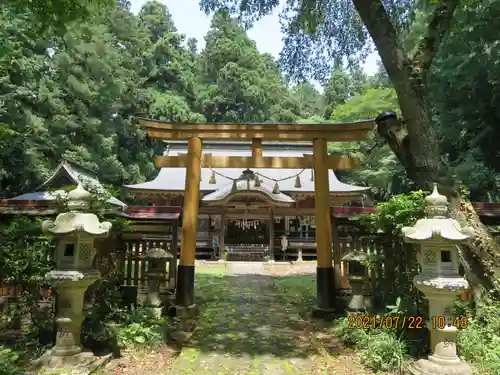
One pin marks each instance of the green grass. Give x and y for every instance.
(298, 291)
(211, 270)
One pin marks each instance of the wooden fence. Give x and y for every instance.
(126, 254)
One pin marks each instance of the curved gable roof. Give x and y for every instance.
(245, 186)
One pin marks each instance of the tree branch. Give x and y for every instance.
(385, 37)
(439, 25)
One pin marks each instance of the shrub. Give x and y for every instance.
(8, 362)
(479, 343)
(140, 328)
(381, 350)
(384, 351)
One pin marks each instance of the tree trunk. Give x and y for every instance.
(415, 142)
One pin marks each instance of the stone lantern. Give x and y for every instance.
(75, 232)
(356, 271)
(438, 236)
(156, 274)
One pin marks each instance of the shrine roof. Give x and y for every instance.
(173, 179)
(66, 173)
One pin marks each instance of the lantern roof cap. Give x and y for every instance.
(355, 256)
(437, 226)
(157, 253)
(79, 198)
(436, 204)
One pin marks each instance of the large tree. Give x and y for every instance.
(239, 83)
(320, 31)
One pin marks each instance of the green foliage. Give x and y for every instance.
(380, 350)
(59, 13)
(240, 84)
(366, 105)
(464, 88)
(8, 362)
(479, 343)
(400, 259)
(380, 168)
(140, 328)
(308, 100)
(317, 33)
(400, 211)
(27, 254)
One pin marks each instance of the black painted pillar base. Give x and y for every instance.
(325, 291)
(184, 295)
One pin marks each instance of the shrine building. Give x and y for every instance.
(253, 214)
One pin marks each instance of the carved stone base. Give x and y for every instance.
(426, 367)
(83, 362)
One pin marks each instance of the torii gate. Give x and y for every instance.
(320, 161)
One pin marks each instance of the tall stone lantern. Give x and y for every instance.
(438, 236)
(75, 232)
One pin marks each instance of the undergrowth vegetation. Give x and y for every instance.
(380, 350)
(479, 343)
(390, 350)
(27, 326)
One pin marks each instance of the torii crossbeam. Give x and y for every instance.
(320, 161)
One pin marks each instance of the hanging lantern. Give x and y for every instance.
(257, 181)
(312, 174)
(276, 189)
(212, 179)
(298, 184)
(234, 188)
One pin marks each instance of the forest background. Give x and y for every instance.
(73, 94)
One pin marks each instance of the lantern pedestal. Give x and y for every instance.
(441, 292)
(153, 298)
(68, 352)
(357, 303)
(428, 367)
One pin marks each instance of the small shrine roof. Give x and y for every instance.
(70, 173)
(246, 184)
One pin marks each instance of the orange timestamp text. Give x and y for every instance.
(404, 322)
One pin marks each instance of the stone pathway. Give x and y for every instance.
(244, 268)
(245, 328)
(254, 320)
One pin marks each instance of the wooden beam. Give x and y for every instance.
(346, 132)
(257, 148)
(332, 162)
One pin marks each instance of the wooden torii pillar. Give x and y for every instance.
(320, 161)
